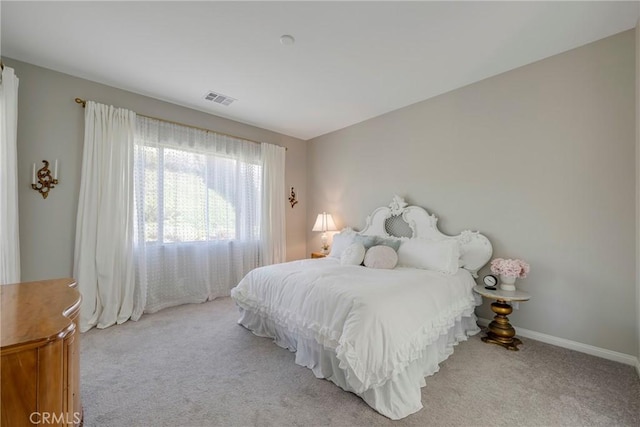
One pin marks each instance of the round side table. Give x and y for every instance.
(500, 330)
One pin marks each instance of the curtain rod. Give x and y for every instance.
(84, 104)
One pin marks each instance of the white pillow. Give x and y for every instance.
(341, 241)
(353, 255)
(380, 256)
(441, 255)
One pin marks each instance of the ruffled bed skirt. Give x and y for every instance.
(397, 397)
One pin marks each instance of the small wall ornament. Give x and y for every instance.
(44, 181)
(292, 198)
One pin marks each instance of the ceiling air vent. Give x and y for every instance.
(218, 98)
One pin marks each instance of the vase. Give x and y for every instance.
(507, 283)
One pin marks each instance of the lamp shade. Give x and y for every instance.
(324, 222)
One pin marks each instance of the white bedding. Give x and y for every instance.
(378, 322)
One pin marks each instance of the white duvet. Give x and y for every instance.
(376, 321)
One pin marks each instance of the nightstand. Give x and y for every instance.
(500, 330)
(318, 255)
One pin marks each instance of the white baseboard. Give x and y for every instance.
(627, 359)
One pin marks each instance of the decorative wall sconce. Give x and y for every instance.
(45, 181)
(292, 198)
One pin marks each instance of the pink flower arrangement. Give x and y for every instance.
(510, 267)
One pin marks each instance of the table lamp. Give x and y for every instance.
(324, 223)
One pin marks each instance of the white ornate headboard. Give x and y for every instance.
(403, 221)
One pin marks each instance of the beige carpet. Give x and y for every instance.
(195, 366)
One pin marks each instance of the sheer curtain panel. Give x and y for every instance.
(273, 205)
(9, 236)
(103, 259)
(198, 204)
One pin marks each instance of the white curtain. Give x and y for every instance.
(103, 260)
(273, 239)
(198, 198)
(9, 236)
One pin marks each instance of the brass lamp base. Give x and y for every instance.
(500, 330)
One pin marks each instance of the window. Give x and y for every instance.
(198, 203)
(191, 196)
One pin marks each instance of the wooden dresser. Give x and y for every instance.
(40, 354)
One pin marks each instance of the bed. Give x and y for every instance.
(375, 332)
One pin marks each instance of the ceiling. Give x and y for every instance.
(351, 60)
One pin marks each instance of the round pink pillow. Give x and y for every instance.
(381, 257)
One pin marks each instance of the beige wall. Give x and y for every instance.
(540, 159)
(51, 126)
